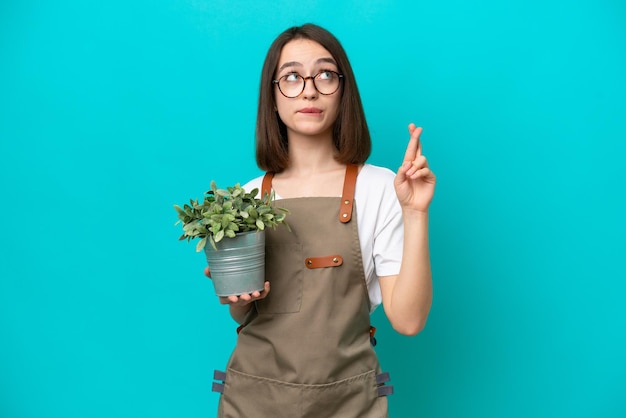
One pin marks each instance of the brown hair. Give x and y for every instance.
(350, 132)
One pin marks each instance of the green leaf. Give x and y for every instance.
(212, 242)
(226, 212)
(201, 244)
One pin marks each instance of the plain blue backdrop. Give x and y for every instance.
(111, 112)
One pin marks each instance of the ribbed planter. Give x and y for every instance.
(238, 265)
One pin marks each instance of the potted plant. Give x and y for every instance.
(233, 222)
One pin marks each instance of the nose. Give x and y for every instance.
(309, 88)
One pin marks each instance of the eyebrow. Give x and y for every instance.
(297, 64)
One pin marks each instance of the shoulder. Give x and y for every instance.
(377, 175)
(376, 172)
(375, 180)
(375, 195)
(255, 183)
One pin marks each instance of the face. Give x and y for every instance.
(310, 113)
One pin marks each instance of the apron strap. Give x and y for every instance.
(347, 197)
(372, 338)
(266, 186)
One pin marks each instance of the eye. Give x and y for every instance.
(326, 75)
(292, 77)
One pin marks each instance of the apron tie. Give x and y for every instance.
(218, 387)
(384, 390)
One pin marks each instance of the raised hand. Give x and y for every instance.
(414, 183)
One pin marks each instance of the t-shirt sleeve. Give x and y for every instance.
(388, 233)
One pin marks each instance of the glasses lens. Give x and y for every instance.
(291, 85)
(327, 82)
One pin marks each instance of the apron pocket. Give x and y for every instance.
(285, 277)
(356, 397)
(247, 396)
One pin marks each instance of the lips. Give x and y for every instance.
(310, 110)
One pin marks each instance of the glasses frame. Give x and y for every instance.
(312, 78)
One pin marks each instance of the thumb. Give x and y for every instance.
(404, 167)
(401, 175)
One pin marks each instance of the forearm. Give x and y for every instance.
(412, 291)
(239, 313)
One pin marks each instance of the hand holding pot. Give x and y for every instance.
(241, 300)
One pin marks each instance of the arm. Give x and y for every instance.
(407, 297)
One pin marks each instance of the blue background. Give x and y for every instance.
(111, 112)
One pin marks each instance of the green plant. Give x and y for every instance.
(226, 212)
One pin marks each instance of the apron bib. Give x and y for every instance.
(305, 350)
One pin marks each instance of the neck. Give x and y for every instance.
(311, 155)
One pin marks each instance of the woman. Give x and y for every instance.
(359, 237)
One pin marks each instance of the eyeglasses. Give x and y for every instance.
(325, 82)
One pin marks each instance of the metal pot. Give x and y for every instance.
(238, 265)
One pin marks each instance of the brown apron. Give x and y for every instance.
(305, 350)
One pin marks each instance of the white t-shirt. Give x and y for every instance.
(379, 223)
